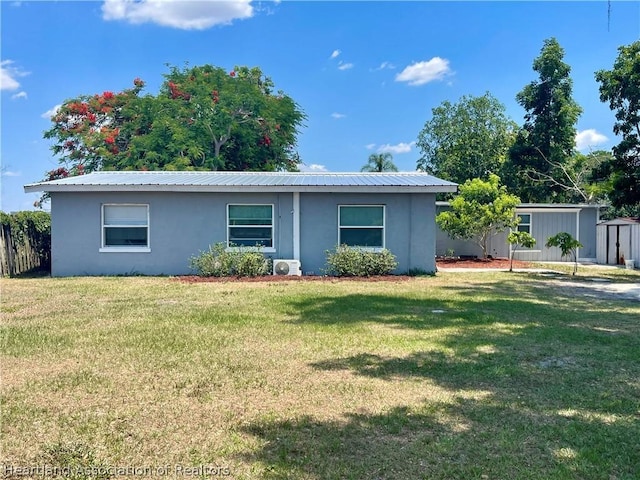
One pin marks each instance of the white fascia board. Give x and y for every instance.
(547, 210)
(241, 189)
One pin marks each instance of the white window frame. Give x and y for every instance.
(529, 223)
(521, 250)
(271, 249)
(123, 249)
(383, 227)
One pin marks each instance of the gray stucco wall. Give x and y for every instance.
(183, 224)
(409, 227)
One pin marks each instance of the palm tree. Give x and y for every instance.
(380, 162)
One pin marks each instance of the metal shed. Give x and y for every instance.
(618, 241)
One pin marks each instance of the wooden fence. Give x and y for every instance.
(16, 257)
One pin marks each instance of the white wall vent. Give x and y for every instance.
(286, 267)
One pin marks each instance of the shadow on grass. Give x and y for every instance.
(506, 307)
(34, 273)
(462, 439)
(542, 386)
(524, 345)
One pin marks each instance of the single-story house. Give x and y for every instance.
(541, 220)
(152, 223)
(619, 242)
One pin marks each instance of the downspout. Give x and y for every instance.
(296, 225)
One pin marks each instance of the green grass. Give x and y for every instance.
(461, 375)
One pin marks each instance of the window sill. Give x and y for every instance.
(125, 250)
(368, 249)
(251, 249)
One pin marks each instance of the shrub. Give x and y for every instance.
(347, 261)
(217, 261)
(251, 264)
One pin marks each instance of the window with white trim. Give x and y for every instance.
(361, 225)
(125, 226)
(250, 225)
(525, 223)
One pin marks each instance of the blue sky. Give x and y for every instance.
(367, 74)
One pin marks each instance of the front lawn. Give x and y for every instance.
(459, 376)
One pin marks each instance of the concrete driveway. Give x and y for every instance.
(599, 288)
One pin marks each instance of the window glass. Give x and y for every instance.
(361, 225)
(525, 222)
(119, 237)
(356, 216)
(250, 225)
(125, 225)
(250, 214)
(361, 237)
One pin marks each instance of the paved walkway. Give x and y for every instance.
(597, 288)
(587, 286)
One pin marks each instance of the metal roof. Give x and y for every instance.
(410, 182)
(622, 221)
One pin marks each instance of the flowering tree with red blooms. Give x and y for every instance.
(87, 130)
(229, 120)
(203, 118)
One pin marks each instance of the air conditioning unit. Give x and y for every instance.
(286, 267)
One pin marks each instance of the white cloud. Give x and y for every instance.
(419, 73)
(338, 115)
(9, 74)
(183, 14)
(19, 95)
(9, 173)
(314, 167)
(50, 113)
(345, 66)
(384, 66)
(396, 149)
(370, 146)
(335, 54)
(589, 138)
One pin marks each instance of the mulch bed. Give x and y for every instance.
(499, 263)
(442, 264)
(294, 278)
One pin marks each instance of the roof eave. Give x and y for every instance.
(41, 187)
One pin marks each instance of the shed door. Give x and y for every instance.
(618, 244)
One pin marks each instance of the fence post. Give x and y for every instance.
(4, 261)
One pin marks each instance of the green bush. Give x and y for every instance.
(347, 261)
(217, 261)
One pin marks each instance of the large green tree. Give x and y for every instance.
(465, 140)
(203, 118)
(546, 142)
(620, 87)
(380, 162)
(480, 210)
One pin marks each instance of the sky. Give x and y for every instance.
(367, 74)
